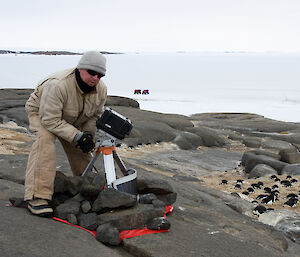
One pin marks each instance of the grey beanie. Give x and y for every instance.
(93, 60)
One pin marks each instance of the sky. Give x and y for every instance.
(151, 26)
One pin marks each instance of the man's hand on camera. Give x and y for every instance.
(85, 141)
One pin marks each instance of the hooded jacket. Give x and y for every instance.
(64, 109)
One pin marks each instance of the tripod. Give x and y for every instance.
(108, 150)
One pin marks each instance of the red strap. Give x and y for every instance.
(126, 233)
(94, 233)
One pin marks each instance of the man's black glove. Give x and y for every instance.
(86, 142)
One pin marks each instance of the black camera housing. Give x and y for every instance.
(114, 124)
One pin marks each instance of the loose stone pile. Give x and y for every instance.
(85, 201)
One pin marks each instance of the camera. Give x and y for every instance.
(114, 124)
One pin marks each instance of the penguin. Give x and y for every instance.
(274, 186)
(260, 183)
(224, 181)
(273, 177)
(245, 193)
(292, 196)
(286, 183)
(240, 181)
(250, 189)
(288, 176)
(259, 209)
(294, 180)
(267, 190)
(238, 186)
(291, 202)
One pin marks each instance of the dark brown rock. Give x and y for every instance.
(111, 199)
(108, 234)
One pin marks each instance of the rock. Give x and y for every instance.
(85, 206)
(261, 170)
(68, 207)
(90, 190)
(158, 203)
(88, 220)
(291, 227)
(121, 101)
(252, 142)
(250, 160)
(275, 144)
(155, 186)
(167, 198)
(187, 140)
(10, 189)
(130, 218)
(186, 178)
(209, 136)
(111, 199)
(248, 154)
(61, 183)
(182, 142)
(147, 198)
(291, 169)
(108, 234)
(158, 223)
(290, 155)
(285, 221)
(72, 219)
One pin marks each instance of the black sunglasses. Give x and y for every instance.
(93, 73)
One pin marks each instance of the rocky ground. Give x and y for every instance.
(196, 155)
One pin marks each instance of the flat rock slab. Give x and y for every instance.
(196, 162)
(28, 236)
(186, 239)
(10, 189)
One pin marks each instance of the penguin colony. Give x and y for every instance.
(269, 193)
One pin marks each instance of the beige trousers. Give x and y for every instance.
(41, 165)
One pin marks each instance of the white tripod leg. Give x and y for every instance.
(109, 167)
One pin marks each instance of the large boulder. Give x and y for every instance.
(291, 169)
(209, 136)
(261, 170)
(251, 159)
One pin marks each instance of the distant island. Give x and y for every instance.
(49, 52)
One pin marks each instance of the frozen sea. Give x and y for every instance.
(184, 83)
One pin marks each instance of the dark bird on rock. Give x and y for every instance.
(288, 176)
(273, 177)
(240, 181)
(260, 183)
(245, 193)
(277, 179)
(255, 186)
(294, 180)
(250, 189)
(286, 183)
(259, 209)
(274, 186)
(292, 196)
(255, 202)
(238, 186)
(267, 190)
(291, 202)
(224, 181)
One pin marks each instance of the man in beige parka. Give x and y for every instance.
(66, 106)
